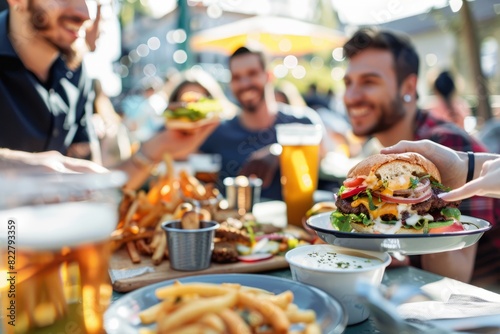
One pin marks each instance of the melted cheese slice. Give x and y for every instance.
(382, 208)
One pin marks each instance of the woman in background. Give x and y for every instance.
(449, 106)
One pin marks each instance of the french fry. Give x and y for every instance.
(149, 315)
(234, 323)
(152, 217)
(202, 289)
(312, 328)
(191, 186)
(193, 311)
(143, 248)
(181, 209)
(159, 234)
(132, 252)
(190, 220)
(130, 213)
(213, 321)
(159, 252)
(273, 314)
(301, 316)
(145, 330)
(282, 300)
(193, 329)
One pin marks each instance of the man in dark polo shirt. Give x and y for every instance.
(46, 106)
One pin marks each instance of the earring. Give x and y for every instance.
(407, 98)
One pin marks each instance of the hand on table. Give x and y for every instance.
(50, 161)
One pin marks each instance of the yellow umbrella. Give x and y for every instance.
(279, 36)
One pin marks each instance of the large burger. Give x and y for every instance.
(394, 193)
(193, 107)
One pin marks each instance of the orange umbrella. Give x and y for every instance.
(279, 36)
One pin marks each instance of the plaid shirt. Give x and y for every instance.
(487, 265)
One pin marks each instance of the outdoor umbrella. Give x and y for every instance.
(279, 36)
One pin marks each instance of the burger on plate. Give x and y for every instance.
(193, 107)
(395, 194)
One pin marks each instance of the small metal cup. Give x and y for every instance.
(190, 250)
(242, 193)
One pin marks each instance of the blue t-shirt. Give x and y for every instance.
(235, 143)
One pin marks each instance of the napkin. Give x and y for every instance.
(451, 299)
(119, 274)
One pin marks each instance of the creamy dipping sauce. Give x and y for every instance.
(329, 260)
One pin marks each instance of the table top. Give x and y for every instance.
(401, 275)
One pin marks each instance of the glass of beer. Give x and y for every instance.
(54, 251)
(299, 161)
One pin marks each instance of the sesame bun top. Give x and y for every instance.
(390, 166)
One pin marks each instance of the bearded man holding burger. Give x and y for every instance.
(381, 101)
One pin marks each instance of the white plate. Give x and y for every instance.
(183, 125)
(408, 244)
(122, 317)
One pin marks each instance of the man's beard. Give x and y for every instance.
(40, 23)
(251, 107)
(390, 116)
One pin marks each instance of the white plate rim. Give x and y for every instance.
(356, 235)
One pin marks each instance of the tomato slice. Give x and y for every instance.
(455, 227)
(354, 182)
(351, 192)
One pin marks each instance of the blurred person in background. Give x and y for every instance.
(113, 136)
(448, 106)
(381, 101)
(46, 98)
(144, 118)
(245, 141)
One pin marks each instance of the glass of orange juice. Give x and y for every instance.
(54, 251)
(299, 161)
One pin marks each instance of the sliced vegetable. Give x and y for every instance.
(405, 200)
(255, 257)
(349, 192)
(354, 182)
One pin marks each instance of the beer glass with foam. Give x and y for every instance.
(54, 251)
(299, 161)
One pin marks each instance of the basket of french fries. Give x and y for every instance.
(227, 303)
(169, 197)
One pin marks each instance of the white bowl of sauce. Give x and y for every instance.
(336, 270)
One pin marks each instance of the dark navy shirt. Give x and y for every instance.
(235, 143)
(38, 116)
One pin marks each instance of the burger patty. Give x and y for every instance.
(432, 204)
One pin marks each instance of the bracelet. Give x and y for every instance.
(470, 171)
(142, 161)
